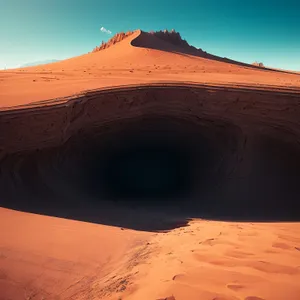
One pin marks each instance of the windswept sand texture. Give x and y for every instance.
(222, 222)
(50, 258)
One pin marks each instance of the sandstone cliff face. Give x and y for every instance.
(48, 126)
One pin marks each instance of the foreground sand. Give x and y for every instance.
(50, 258)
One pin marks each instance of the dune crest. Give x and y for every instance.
(115, 39)
(171, 37)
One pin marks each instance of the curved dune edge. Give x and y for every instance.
(67, 115)
(280, 90)
(143, 39)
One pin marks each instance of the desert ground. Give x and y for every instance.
(63, 234)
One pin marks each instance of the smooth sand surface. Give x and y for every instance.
(57, 258)
(51, 258)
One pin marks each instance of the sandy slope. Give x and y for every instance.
(50, 258)
(124, 64)
(228, 261)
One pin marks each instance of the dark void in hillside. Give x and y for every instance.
(154, 173)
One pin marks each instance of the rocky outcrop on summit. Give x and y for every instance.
(115, 39)
(172, 37)
(258, 64)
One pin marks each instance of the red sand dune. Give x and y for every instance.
(46, 257)
(139, 58)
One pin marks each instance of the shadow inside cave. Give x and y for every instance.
(157, 173)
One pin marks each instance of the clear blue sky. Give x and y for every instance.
(267, 31)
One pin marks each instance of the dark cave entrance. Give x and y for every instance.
(148, 162)
(141, 172)
(147, 172)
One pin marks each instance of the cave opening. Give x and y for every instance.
(153, 161)
(145, 171)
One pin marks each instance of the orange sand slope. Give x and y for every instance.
(51, 258)
(139, 58)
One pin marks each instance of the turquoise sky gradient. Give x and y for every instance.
(267, 31)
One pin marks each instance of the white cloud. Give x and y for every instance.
(105, 30)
